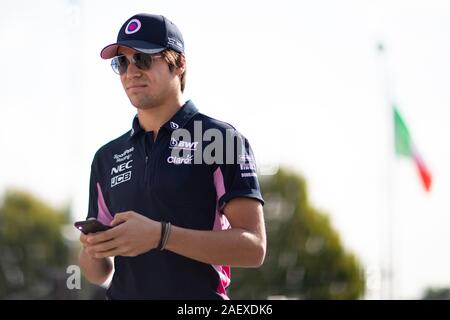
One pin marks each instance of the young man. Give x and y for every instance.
(184, 207)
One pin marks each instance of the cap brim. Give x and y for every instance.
(110, 51)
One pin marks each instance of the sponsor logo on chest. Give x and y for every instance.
(180, 160)
(122, 171)
(183, 145)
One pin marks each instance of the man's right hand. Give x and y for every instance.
(86, 245)
(94, 269)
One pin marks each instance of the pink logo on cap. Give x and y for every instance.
(133, 26)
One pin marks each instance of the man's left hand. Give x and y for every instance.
(132, 235)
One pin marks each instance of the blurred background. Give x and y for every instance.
(356, 199)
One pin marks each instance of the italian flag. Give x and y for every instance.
(404, 146)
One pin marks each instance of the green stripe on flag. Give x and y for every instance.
(403, 144)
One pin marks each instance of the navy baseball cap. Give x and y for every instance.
(146, 33)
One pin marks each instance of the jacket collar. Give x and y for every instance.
(179, 119)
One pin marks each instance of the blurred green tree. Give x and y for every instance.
(436, 294)
(34, 255)
(305, 258)
(31, 245)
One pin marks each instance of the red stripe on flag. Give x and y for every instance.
(423, 171)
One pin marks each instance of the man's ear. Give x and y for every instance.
(182, 68)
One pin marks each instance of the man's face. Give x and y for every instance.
(148, 88)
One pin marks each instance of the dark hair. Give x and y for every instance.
(174, 60)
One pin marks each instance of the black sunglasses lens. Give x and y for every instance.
(123, 64)
(119, 64)
(142, 60)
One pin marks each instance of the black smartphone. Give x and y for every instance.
(91, 226)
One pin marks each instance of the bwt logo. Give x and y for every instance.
(184, 145)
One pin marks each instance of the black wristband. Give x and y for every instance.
(163, 231)
(166, 236)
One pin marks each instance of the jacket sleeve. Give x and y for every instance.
(237, 175)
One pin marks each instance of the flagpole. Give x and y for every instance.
(388, 272)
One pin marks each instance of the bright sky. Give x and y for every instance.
(301, 79)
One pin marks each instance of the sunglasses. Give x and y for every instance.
(143, 61)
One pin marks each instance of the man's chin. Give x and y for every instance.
(142, 105)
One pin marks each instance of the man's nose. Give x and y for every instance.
(133, 71)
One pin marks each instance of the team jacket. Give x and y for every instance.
(176, 179)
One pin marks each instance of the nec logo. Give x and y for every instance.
(122, 177)
(121, 167)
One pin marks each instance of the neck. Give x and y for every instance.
(153, 118)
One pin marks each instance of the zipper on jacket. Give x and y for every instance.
(149, 150)
(145, 171)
